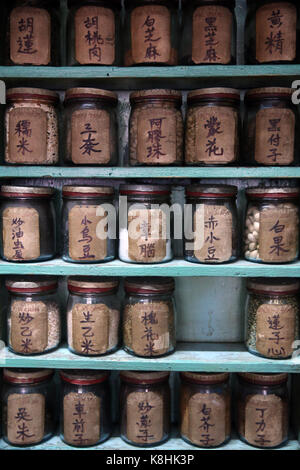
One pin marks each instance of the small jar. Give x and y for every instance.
(156, 128)
(93, 32)
(263, 409)
(271, 32)
(85, 418)
(271, 233)
(33, 315)
(151, 32)
(212, 223)
(272, 316)
(147, 241)
(212, 126)
(209, 32)
(31, 127)
(149, 320)
(91, 129)
(87, 224)
(145, 408)
(28, 222)
(28, 406)
(205, 409)
(93, 316)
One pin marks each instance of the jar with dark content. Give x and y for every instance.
(205, 408)
(209, 32)
(271, 127)
(263, 409)
(28, 223)
(85, 418)
(272, 316)
(212, 126)
(28, 406)
(93, 316)
(214, 224)
(156, 128)
(87, 225)
(145, 408)
(33, 315)
(91, 129)
(271, 233)
(149, 322)
(93, 32)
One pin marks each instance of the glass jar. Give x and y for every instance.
(271, 233)
(33, 33)
(272, 317)
(87, 224)
(91, 129)
(93, 32)
(205, 408)
(212, 126)
(145, 408)
(151, 32)
(33, 315)
(28, 222)
(28, 406)
(271, 32)
(263, 409)
(213, 27)
(212, 223)
(145, 240)
(149, 321)
(93, 315)
(85, 418)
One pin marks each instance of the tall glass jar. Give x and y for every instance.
(145, 408)
(93, 316)
(87, 224)
(28, 406)
(213, 37)
(149, 320)
(212, 224)
(151, 32)
(212, 127)
(263, 409)
(85, 418)
(91, 129)
(271, 233)
(33, 315)
(28, 224)
(93, 32)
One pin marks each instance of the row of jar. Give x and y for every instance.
(156, 129)
(151, 34)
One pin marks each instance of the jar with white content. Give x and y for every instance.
(271, 233)
(144, 236)
(93, 316)
(33, 315)
(31, 127)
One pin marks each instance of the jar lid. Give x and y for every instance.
(149, 285)
(214, 191)
(84, 377)
(26, 191)
(94, 285)
(269, 93)
(144, 377)
(91, 93)
(24, 93)
(145, 189)
(205, 378)
(213, 93)
(26, 376)
(156, 94)
(31, 285)
(279, 286)
(87, 191)
(259, 192)
(264, 379)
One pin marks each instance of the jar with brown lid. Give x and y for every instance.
(271, 233)
(28, 223)
(93, 32)
(31, 127)
(151, 32)
(91, 129)
(213, 37)
(205, 408)
(156, 128)
(28, 406)
(262, 412)
(212, 126)
(145, 408)
(93, 315)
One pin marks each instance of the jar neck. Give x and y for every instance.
(156, 103)
(87, 295)
(88, 200)
(214, 102)
(92, 102)
(271, 200)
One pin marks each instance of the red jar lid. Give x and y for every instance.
(258, 94)
(273, 286)
(84, 377)
(264, 379)
(144, 189)
(211, 191)
(26, 376)
(31, 285)
(204, 378)
(272, 193)
(31, 94)
(92, 285)
(142, 96)
(205, 94)
(88, 191)
(91, 94)
(144, 378)
(149, 285)
(16, 192)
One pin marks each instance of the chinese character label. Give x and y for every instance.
(25, 418)
(264, 420)
(144, 417)
(81, 414)
(90, 325)
(29, 327)
(21, 234)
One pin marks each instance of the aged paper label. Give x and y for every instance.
(30, 36)
(21, 234)
(25, 418)
(90, 324)
(81, 425)
(144, 417)
(29, 327)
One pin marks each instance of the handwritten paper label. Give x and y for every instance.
(29, 327)
(25, 418)
(90, 323)
(21, 234)
(144, 417)
(81, 426)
